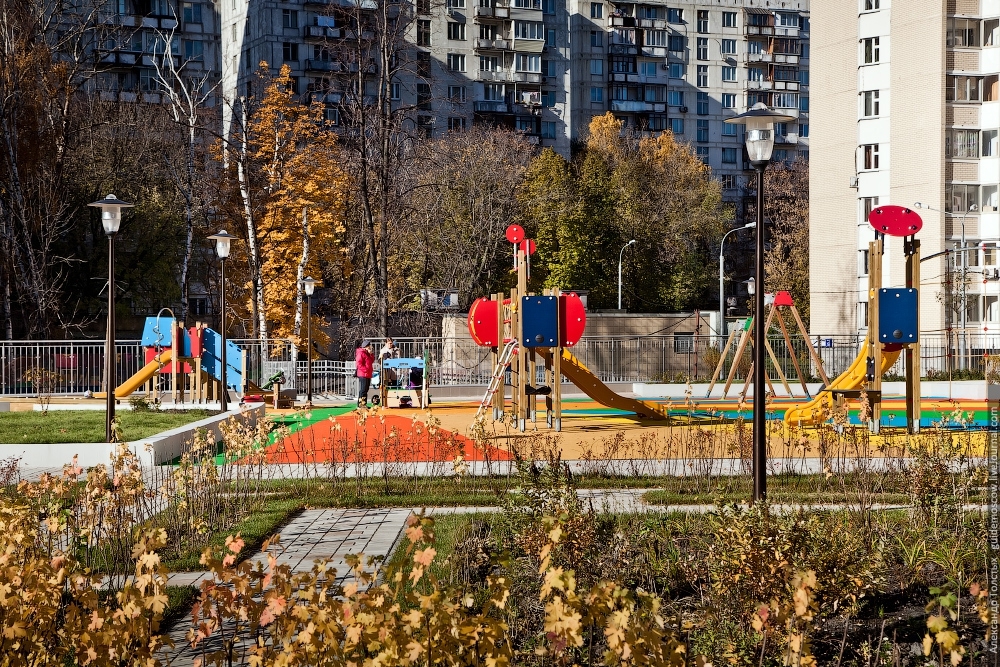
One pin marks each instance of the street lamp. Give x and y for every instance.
(965, 262)
(223, 245)
(722, 276)
(622, 252)
(111, 219)
(759, 122)
(310, 286)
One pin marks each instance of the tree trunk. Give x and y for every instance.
(300, 273)
(253, 248)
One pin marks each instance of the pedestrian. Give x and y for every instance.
(364, 362)
(388, 351)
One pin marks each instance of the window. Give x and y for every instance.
(729, 129)
(871, 50)
(597, 10)
(548, 129)
(623, 36)
(779, 155)
(596, 94)
(548, 98)
(493, 92)
(804, 130)
(989, 196)
(290, 51)
(729, 101)
(990, 143)
(550, 38)
(424, 96)
(729, 47)
(596, 38)
(702, 21)
(729, 155)
(656, 94)
(863, 262)
(728, 19)
(702, 152)
(729, 181)
(657, 122)
(423, 64)
(702, 76)
(804, 24)
(870, 106)
(425, 126)
(728, 74)
(528, 30)
(596, 66)
(683, 341)
(456, 62)
(675, 15)
(456, 4)
(289, 18)
(423, 6)
(394, 91)
(194, 49)
(192, 12)
(869, 6)
(702, 48)
(234, 32)
(656, 38)
(456, 124)
(787, 20)
(549, 6)
(964, 89)
(676, 70)
(870, 156)
(675, 98)
(804, 77)
(529, 62)
(647, 69)
(456, 30)
(962, 32)
(961, 143)
(703, 131)
(675, 43)
(702, 104)
(423, 32)
(549, 68)
(489, 63)
(623, 64)
(677, 125)
(959, 198)
(868, 205)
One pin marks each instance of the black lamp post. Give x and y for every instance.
(223, 244)
(310, 286)
(111, 219)
(759, 122)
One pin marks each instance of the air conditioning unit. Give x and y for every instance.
(531, 99)
(684, 109)
(439, 299)
(854, 182)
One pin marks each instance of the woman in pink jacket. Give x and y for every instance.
(364, 362)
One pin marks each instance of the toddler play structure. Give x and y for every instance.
(402, 382)
(185, 361)
(528, 332)
(893, 329)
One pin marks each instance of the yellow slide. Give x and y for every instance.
(853, 378)
(140, 378)
(592, 386)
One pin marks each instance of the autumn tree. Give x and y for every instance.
(786, 206)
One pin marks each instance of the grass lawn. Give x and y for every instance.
(88, 425)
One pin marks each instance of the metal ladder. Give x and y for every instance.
(497, 381)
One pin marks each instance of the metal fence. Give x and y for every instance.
(74, 367)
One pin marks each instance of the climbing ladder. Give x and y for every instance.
(497, 381)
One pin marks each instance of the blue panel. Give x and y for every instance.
(897, 316)
(156, 331)
(540, 321)
(211, 360)
(403, 362)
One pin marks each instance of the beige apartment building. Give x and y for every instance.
(905, 110)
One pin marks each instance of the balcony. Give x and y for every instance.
(786, 58)
(526, 77)
(760, 85)
(325, 66)
(494, 45)
(622, 21)
(623, 77)
(491, 107)
(114, 18)
(529, 45)
(499, 75)
(786, 31)
(638, 106)
(492, 13)
(653, 51)
(658, 24)
(321, 32)
(758, 58)
(760, 30)
(786, 85)
(623, 49)
(533, 139)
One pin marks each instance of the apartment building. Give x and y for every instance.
(546, 67)
(134, 32)
(905, 110)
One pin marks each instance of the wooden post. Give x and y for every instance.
(173, 362)
(875, 249)
(722, 362)
(557, 373)
(522, 289)
(740, 349)
(913, 370)
(791, 351)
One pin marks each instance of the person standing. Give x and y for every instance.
(364, 362)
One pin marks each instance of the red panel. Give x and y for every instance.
(183, 368)
(783, 298)
(895, 220)
(515, 233)
(572, 319)
(484, 321)
(195, 335)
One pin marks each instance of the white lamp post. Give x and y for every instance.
(111, 219)
(722, 275)
(223, 246)
(622, 252)
(310, 286)
(759, 122)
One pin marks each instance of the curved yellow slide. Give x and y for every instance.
(149, 370)
(592, 386)
(807, 414)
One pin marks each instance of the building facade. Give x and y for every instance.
(914, 118)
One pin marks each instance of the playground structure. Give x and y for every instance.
(893, 329)
(530, 332)
(400, 378)
(186, 360)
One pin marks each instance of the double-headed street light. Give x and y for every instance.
(223, 246)
(310, 286)
(722, 276)
(620, 254)
(111, 219)
(759, 122)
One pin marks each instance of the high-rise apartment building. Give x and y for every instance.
(905, 110)
(546, 67)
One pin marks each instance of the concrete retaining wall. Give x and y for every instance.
(151, 451)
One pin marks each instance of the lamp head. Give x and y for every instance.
(751, 286)
(750, 225)
(632, 242)
(223, 243)
(759, 121)
(973, 207)
(917, 204)
(111, 213)
(309, 285)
